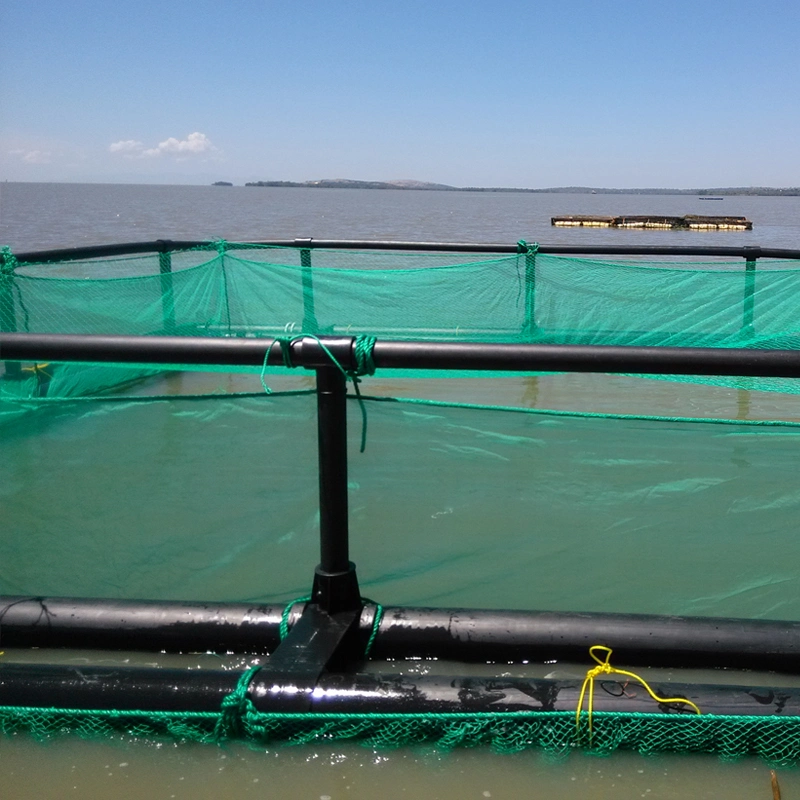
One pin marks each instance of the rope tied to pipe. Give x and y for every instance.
(8, 261)
(364, 365)
(235, 707)
(604, 668)
(283, 630)
(523, 248)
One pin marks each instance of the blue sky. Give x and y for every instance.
(502, 93)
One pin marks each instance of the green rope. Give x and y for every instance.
(364, 345)
(8, 261)
(362, 353)
(376, 623)
(235, 707)
(550, 412)
(523, 248)
(286, 354)
(283, 630)
(365, 365)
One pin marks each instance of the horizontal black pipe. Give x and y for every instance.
(587, 358)
(750, 252)
(166, 245)
(106, 250)
(176, 690)
(403, 355)
(140, 625)
(466, 635)
(177, 350)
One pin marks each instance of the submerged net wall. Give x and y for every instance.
(109, 494)
(216, 499)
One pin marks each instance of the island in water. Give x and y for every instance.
(716, 193)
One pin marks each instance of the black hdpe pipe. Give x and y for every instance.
(463, 635)
(386, 354)
(145, 689)
(167, 245)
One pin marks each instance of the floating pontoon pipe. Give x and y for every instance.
(308, 352)
(466, 635)
(139, 689)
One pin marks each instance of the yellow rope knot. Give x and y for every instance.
(604, 668)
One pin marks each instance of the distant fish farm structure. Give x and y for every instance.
(688, 222)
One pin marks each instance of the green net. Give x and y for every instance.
(216, 498)
(777, 740)
(239, 290)
(130, 482)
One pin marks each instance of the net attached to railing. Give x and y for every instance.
(115, 487)
(244, 290)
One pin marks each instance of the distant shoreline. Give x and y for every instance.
(716, 192)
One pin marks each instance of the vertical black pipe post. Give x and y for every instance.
(310, 324)
(749, 302)
(530, 291)
(167, 293)
(8, 311)
(335, 584)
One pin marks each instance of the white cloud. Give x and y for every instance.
(32, 156)
(129, 148)
(194, 144)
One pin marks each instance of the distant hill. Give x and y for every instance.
(346, 183)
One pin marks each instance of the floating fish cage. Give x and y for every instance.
(216, 506)
(692, 222)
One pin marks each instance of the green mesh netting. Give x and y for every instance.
(214, 497)
(776, 739)
(217, 499)
(234, 289)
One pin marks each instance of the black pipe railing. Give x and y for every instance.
(748, 252)
(481, 356)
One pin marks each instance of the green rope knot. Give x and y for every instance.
(523, 248)
(362, 353)
(235, 707)
(8, 261)
(221, 246)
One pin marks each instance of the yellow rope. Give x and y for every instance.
(38, 369)
(604, 668)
